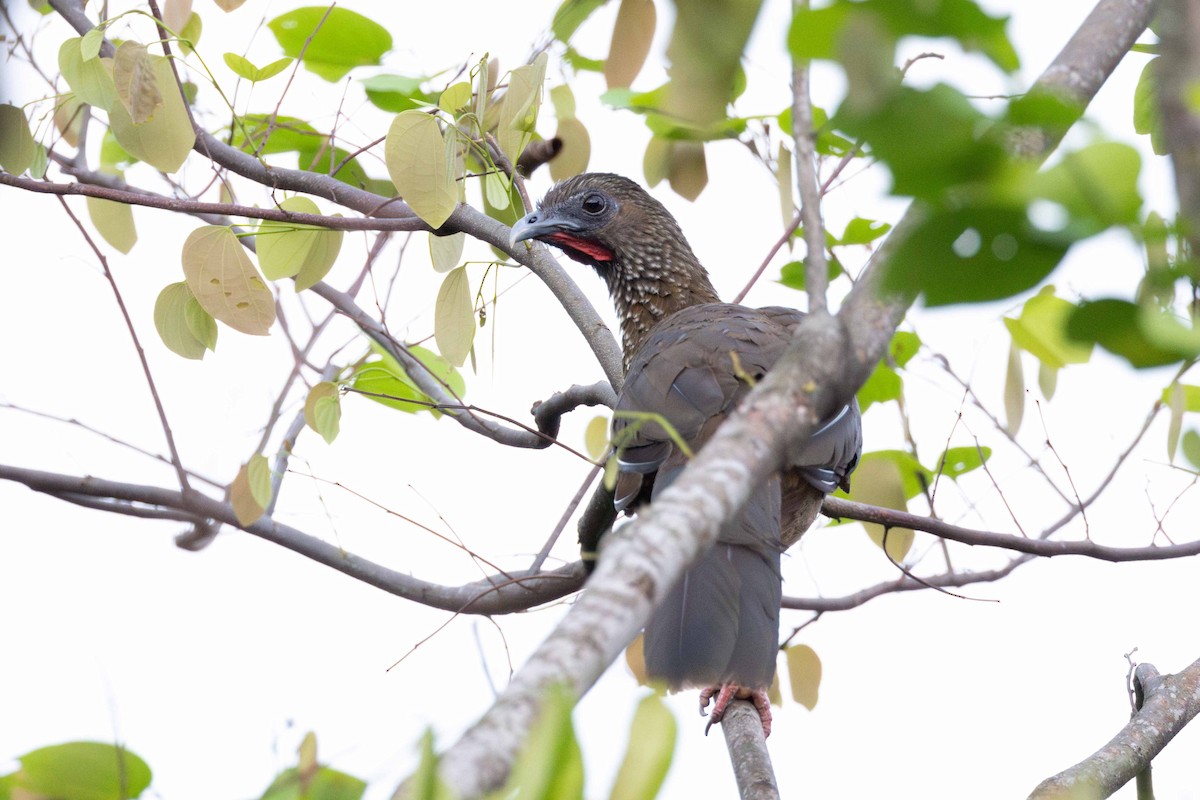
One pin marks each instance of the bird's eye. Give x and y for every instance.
(593, 203)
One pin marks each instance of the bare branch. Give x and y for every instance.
(816, 271)
(748, 752)
(1179, 71)
(496, 594)
(1169, 703)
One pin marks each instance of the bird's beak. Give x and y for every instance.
(537, 224)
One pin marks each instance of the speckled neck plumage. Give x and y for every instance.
(652, 278)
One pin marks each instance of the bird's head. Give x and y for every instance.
(598, 219)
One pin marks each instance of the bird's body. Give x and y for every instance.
(689, 360)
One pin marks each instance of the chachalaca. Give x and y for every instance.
(691, 358)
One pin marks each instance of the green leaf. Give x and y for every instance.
(1042, 330)
(83, 771)
(91, 80)
(396, 93)
(930, 139)
(244, 68)
(956, 461)
(1146, 118)
(341, 39)
(1191, 448)
(114, 221)
(383, 375)
(884, 383)
(164, 140)
(456, 97)
(816, 33)
(570, 15)
(863, 231)
(1047, 380)
(792, 274)
(189, 37)
(200, 323)
(454, 317)
(17, 148)
(1096, 185)
(1191, 395)
(171, 322)
(425, 784)
(1143, 337)
(89, 45)
(804, 674)
(416, 160)
(322, 784)
(550, 765)
(648, 756)
(287, 249)
(225, 283)
(323, 410)
(974, 254)
(136, 82)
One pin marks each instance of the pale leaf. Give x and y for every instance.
(454, 317)
(416, 160)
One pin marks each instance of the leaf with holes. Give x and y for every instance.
(225, 283)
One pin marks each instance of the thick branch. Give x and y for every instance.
(1169, 703)
(748, 752)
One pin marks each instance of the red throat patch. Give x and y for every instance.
(588, 248)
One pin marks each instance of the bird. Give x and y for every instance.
(690, 359)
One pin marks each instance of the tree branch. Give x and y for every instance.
(1169, 703)
(504, 593)
(829, 358)
(1179, 71)
(748, 752)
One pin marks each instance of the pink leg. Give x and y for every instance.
(726, 693)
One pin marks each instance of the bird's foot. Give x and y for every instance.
(728, 692)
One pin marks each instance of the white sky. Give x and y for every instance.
(211, 666)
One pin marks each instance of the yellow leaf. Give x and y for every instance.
(783, 177)
(242, 496)
(563, 100)
(596, 437)
(633, 33)
(1014, 391)
(164, 140)
(804, 674)
(635, 659)
(648, 756)
(17, 147)
(90, 79)
(416, 160)
(688, 171)
(454, 317)
(877, 482)
(68, 118)
(225, 283)
(519, 108)
(457, 96)
(446, 251)
(576, 150)
(323, 410)
(114, 221)
(133, 74)
(307, 764)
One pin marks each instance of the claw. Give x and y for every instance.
(728, 692)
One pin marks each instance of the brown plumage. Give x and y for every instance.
(691, 358)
